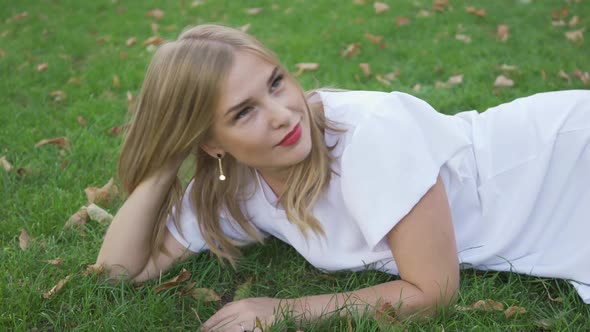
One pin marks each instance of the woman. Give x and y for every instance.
(349, 179)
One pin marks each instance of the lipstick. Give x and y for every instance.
(292, 137)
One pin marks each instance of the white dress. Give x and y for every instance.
(517, 177)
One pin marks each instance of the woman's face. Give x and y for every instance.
(259, 107)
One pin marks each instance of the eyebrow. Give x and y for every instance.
(249, 99)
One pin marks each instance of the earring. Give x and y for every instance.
(221, 176)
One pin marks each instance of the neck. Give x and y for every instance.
(276, 181)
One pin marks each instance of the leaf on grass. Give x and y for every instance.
(401, 21)
(155, 13)
(205, 295)
(306, 66)
(93, 269)
(506, 67)
(351, 50)
(575, 35)
(253, 11)
(560, 23)
(104, 195)
(417, 87)
(154, 40)
(75, 81)
(374, 39)
(96, 213)
(503, 81)
(382, 79)
(464, 38)
(58, 95)
(582, 76)
(423, 13)
(55, 262)
(118, 130)
(197, 3)
(130, 41)
(560, 14)
(366, 68)
(477, 12)
(78, 219)
(440, 5)
(574, 21)
(24, 239)
(42, 67)
(116, 82)
(385, 311)
(514, 310)
(457, 79)
(564, 75)
(245, 27)
(243, 291)
(49, 294)
(81, 121)
(482, 305)
(502, 32)
(184, 275)
(5, 164)
(380, 7)
(155, 27)
(20, 16)
(62, 142)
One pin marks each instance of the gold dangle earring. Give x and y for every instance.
(221, 176)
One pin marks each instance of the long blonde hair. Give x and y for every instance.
(175, 112)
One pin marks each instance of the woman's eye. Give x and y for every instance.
(277, 82)
(242, 113)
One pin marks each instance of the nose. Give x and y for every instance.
(279, 114)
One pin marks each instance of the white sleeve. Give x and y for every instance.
(189, 234)
(393, 159)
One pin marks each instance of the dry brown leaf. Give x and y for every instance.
(380, 7)
(401, 21)
(502, 32)
(464, 38)
(49, 294)
(5, 164)
(96, 213)
(103, 195)
(253, 11)
(154, 40)
(24, 239)
(386, 312)
(116, 82)
(575, 20)
(417, 87)
(42, 67)
(440, 5)
(94, 269)
(560, 14)
(118, 130)
(20, 16)
(81, 121)
(457, 79)
(575, 35)
(374, 39)
(155, 13)
(184, 275)
(55, 262)
(62, 142)
(58, 95)
(560, 23)
(382, 79)
(477, 12)
(78, 219)
(582, 76)
(366, 68)
(513, 310)
(423, 13)
(130, 41)
(306, 66)
(563, 75)
(205, 295)
(482, 305)
(245, 27)
(351, 50)
(503, 81)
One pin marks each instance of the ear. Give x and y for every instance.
(212, 148)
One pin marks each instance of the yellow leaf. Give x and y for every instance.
(49, 294)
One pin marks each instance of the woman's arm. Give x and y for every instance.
(126, 250)
(424, 249)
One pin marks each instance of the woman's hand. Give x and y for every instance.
(240, 316)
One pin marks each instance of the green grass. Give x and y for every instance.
(83, 39)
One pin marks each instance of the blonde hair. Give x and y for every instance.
(175, 113)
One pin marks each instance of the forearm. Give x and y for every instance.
(126, 248)
(405, 298)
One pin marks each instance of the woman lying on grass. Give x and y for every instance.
(350, 179)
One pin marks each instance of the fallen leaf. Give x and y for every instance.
(130, 41)
(380, 7)
(20, 16)
(243, 291)
(351, 50)
(154, 40)
(440, 5)
(75, 81)
(78, 219)
(575, 20)
(205, 295)
(103, 195)
(197, 3)
(94, 269)
(464, 38)
(366, 68)
(253, 11)
(374, 39)
(306, 66)
(118, 130)
(181, 277)
(116, 82)
(423, 13)
(58, 95)
(417, 87)
(5, 164)
(62, 142)
(49, 294)
(506, 67)
(386, 312)
(42, 67)
(482, 305)
(55, 262)
(457, 79)
(503, 81)
(502, 32)
(559, 14)
(563, 75)
(96, 213)
(24, 239)
(81, 121)
(245, 27)
(401, 21)
(513, 310)
(382, 79)
(155, 13)
(582, 76)
(477, 12)
(559, 23)
(575, 35)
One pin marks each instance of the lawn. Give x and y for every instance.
(71, 68)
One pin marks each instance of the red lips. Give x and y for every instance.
(292, 137)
